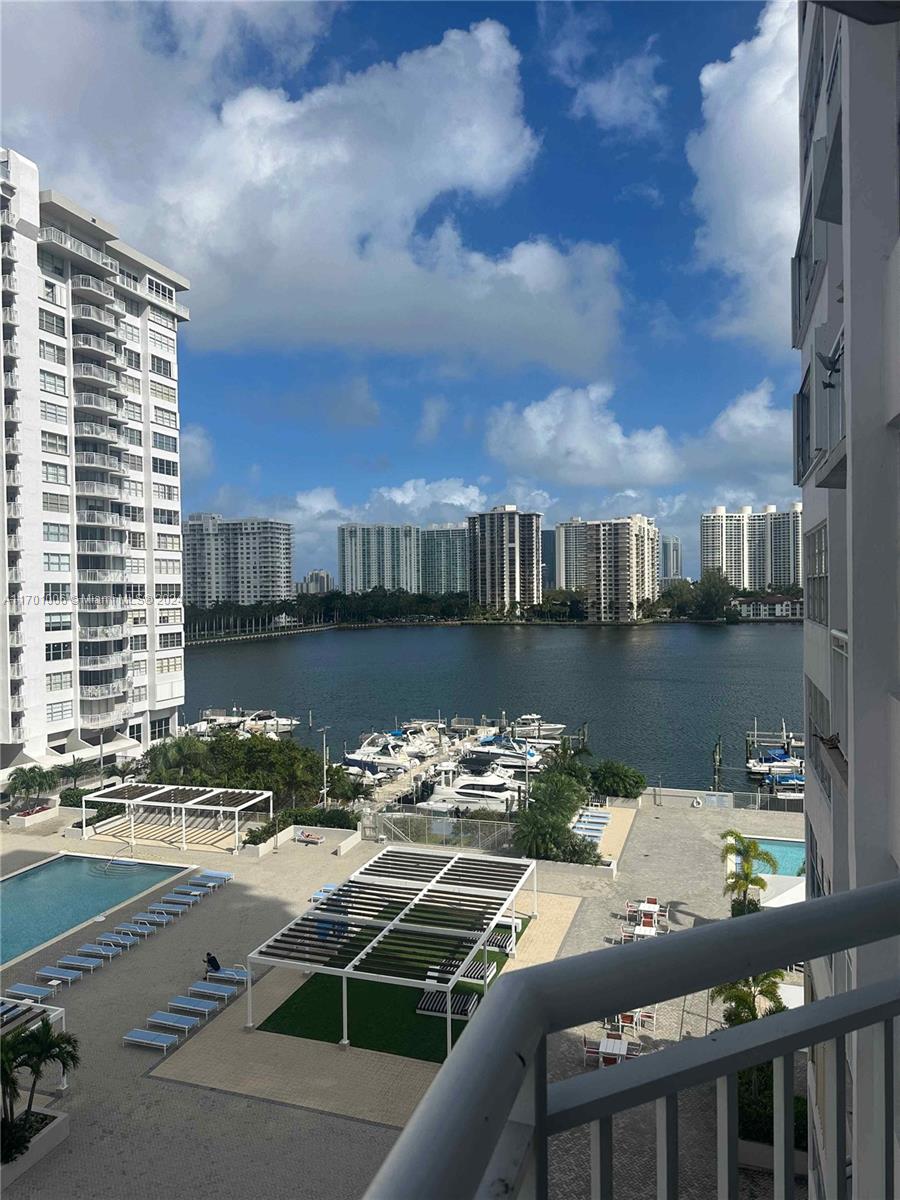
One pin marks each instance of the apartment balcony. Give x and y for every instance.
(97, 374)
(102, 462)
(14, 575)
(14, 511)
(101, 576)
(76, 250)
(9, 251)
(105, 720)
(116, 549)
(12, 445)
(101, 603)
(89, 343)
(10, 315)
(89, 316)
(9, 282)
(7, 220)
(103, 691)
(105, 662)
(117, 335)
(99, 516)
(90, 285)
(17, 701)
(14, 543)
(11, 380)
(13, 479)
(181, 311)
(101, 633)
(91, 487)
(16, 670)
(10, 348)
(96, 401)
(12, 413)
(16, 638)
(90, 429)
(483, 1127)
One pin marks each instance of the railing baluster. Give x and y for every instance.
(726, 1137)
(883, 1036)
(667, 1147)
(836, 1119)
(601, 1159)
(539, 1138)
(783, 1126)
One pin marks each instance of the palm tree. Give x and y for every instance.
(537, 832)
(20, 782)
(76, 770)
(12, 1060)
(41, 780)
(748, 858)
(43, 1046)
(742, 998)
(117, 770)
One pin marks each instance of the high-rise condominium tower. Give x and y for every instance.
(671, 565)
(548, 559)
(846, 324)
(754, 549)
(371, 556)
(505, 558)
(243, 561)
(445, 559)
(621, 567)
(316, 583)
(91, 639)
(571, 552)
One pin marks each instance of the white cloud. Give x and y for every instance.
(642, 190)
(745, 158)
(420, 500)
(298, 218)
(434, 413)
(196, 453)
(628, 99)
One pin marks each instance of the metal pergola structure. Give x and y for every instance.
(189, 801)
(417, 918)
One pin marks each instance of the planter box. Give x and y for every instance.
(71, 832)
(259, 851)
(42, 1144)
(761, 1157)
(17, 821)
(353, 839)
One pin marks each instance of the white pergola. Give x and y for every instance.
(413, 917)
(188, 801)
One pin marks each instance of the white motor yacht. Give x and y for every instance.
(774, 761)
(380, 752)
(494, 791)
(533, 725)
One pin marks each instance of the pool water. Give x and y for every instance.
(789, 855)
(45, 901)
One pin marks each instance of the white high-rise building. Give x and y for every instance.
(245, 560)
(571, 551)
(671, 562)
(621, 567)
(445, 559)
(505, 558)
(316, 583)
(92, 638)
(371, 556)
(846, 324)
(754, 549)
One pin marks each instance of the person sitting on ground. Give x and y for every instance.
(212, 963)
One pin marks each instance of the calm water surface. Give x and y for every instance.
(656, 696)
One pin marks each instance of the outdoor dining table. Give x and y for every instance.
(614, 1047)
(645, 931)
(650, 909)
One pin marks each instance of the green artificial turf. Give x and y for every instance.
(381, 1016)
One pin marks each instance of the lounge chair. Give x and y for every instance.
(500, 940)
(221, 876)
(123, 940)
(609, 1060)
(434, 1004)
(28, 991)
(197, 892)
(309, 839)
(135, 929)
(148, 1037)
(324, 891)
(169, 910)
(60, 974)
(178, 898)
(206, 881)
(80, 962)
(190, 1004)
(154, 918)
(95, 950)
(212, 991)
(176, 1021)
(237, 975)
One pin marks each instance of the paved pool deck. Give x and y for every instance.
(140, 1133)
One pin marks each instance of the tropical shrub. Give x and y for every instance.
(748, 857)
(612, 778)
(31, 1050)
(326, 818)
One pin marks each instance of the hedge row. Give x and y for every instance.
(329, 818)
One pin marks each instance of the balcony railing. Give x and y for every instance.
(97, 547)
(11, 380)
(140, 289)
(101, 633)
(10, 348)
(105, 462)
(91, 487)
(92, 371)
(10, 315)
(88, 399)
(90, 312)
(90, 342)
(90, 283)
(483, 1126)
(95, 516)
(102, 662)
(9, 251)
(90, 429)
(103, 720)
(9, 282)
(12, 445)
(66, 242)
(102, 691)
(88, 576)
(12, 412)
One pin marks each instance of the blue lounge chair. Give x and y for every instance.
(154, 918)
(207, 881)
(149, 1037)
(81, 962)
(95, 950)
(212, 991)
(182, 900)
(123, 940)
(227, 975)
(136, 929)
(28, 991)
(168, 910)
(176, 1021)
(221, 876)
(190, 1004)
(61, 974)
(198, 892)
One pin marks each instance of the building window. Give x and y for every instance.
(51, 322)
(138, 616)
(51, 263)
(135, 591)
(54, 443)
(54, 412)
(161, 318)
(131, 333)
(60, 710)
(50, 291)
(139, 667)
(160, 728)
(134, 308)
(55, 533)
(57, 562)
(168, 541)
(165, 441)
(129, 278)
(818, 716)
(133, 359)
(168, 591)
(133, 411)
(134, 462)
(160, 341)
(167, 566)
(165, 491)
(137, 541)
(166, 516)
(161, 391)
(57, 651)
(57, 593)
(170, 666)
(55, 621)
(54, 473)
(802, 431)
(165, 466)
(139, 641)
(134, 437)
(816, 558)
(51, 353)
(165, 416)
(59, 681)
(135, 489)
(134, 732)
(169, 616)
(129, 384)
(135, 566)
(139, 694)
(161, 290)
(133, 512)
(168, 641)
(160, 366)
(55, 502)
(54, 384)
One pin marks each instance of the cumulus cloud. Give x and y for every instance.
(642, 190)
(745, 159)
(434, 413)
(298, 213)
(418, 499)
(628, 99)
(196, 453)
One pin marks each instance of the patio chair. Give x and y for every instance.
(647, 922)
(175, 1021)
(625, 1020)
(609, 1060)
(95, 950)
(615, 1037)
(627, 934)
(651, 900)
(212, 991)
(206, 881)
(58, 974)
(591, 1050)
(29, 991)
(633, 1049)
(192, 1004)
(147, 1037)
(632, 908)
(646, 1017)
(663, 911)
(153, 918)
(80, 962)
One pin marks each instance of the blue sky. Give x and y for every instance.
(447, 255)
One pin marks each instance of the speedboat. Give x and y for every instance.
(774, 761)
(787, 787)
(533, 725)
(379, 752)
(494, 790)
(508, 751)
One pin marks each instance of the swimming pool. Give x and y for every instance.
(42, 902)
(789, 855)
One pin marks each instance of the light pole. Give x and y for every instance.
(324, 729)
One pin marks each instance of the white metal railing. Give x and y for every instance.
(97, 516)
(87, 576)
(90, 283)
(101, 633)
(12, 445)
(140, 289)
(11, 379)
(90, 341)
(88, 399)
(10, 282)
(50, 234)
(102, 662)
(13, 479)
(91, 458)
(11, 347)
(12, 412)
(10, 314)
(7, 219)
(102, 691)
(90, 312)
(92, 429)
(92, 371)
(483, 1126)
(9, 250)
(117, 549)
(111, 717)
(90, 487)
(14, 510)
